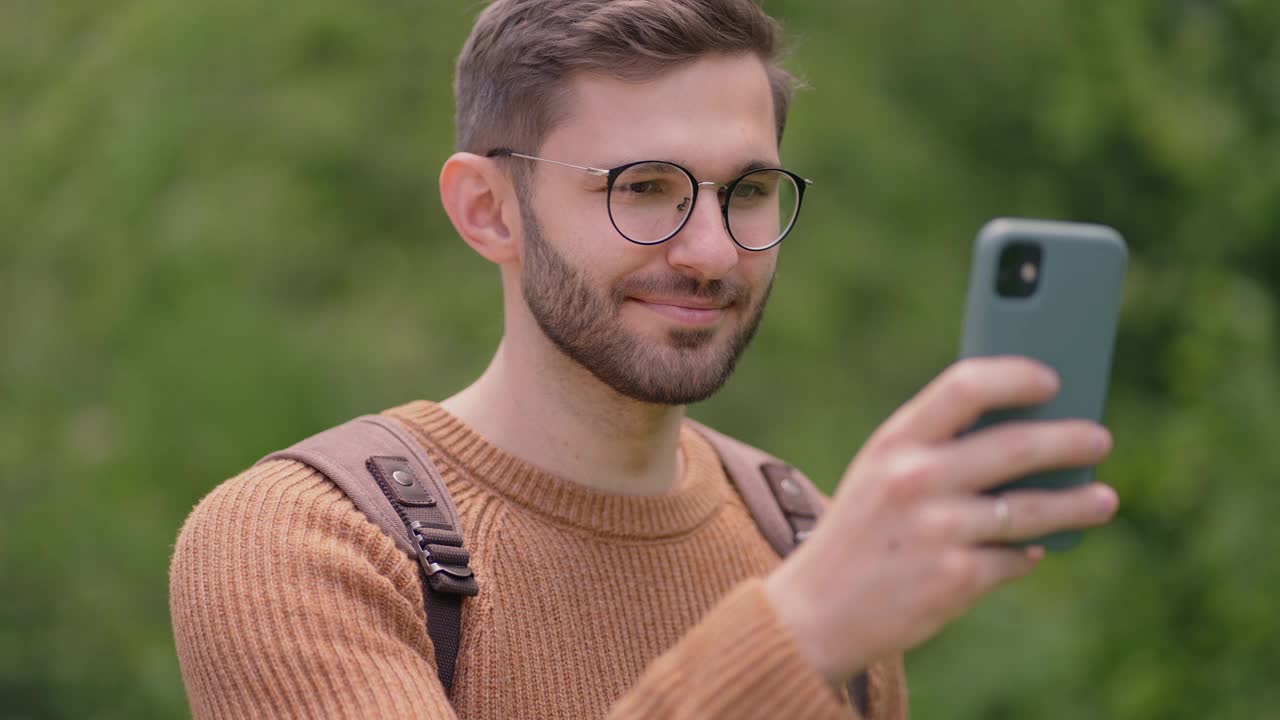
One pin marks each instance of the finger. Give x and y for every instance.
(1008, 451)
(997, 565)
(1034, 513)
(960, 394)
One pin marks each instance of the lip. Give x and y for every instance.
(685, 312)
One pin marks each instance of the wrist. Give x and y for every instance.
(797, 617)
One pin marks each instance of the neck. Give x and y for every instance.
(551, 412)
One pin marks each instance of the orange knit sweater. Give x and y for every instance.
(287, 602)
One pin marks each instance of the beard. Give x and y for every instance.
(586, 325)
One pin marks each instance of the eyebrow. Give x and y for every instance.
(660, 165)
(749, 166)
(756, 165)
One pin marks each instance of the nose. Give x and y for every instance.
(703, 248)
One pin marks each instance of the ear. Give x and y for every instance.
(481, 204)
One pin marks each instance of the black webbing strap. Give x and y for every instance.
(437, 541)
(860, 693)
(390, 478)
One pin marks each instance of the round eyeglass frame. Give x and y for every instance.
(612, 175)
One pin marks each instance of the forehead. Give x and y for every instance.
(710, 114)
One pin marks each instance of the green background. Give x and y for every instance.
(219, 232)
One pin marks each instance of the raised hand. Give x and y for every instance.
(910, 542)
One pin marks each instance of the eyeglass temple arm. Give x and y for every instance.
(511, 153)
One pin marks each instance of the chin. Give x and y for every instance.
(691, 339)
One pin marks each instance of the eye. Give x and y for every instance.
(642, 187)
(749, 191)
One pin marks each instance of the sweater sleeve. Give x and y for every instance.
(287, 603)
(738, 662)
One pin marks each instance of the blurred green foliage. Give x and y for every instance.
(219, 232)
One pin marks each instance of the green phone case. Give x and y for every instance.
(1068, 322)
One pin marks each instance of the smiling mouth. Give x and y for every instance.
(696, 315)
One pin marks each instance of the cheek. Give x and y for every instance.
(600, 259)
(588, 241)
(758, 268)
(575, 221)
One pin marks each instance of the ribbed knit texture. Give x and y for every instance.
(288, 602)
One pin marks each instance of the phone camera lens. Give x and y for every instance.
(1028, 272)
(1018, 273)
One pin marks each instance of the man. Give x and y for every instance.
(618, 162)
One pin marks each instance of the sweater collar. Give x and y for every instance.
(455, 446)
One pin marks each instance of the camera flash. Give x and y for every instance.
(1028, 272)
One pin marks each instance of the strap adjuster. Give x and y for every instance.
(433, 565)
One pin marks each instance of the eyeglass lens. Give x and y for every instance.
(650, 201)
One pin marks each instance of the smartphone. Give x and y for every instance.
(1050, 291)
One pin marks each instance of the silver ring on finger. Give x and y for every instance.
(1003, 519)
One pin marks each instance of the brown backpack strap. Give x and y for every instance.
(393, 482)
(785, 506)
(784, 503)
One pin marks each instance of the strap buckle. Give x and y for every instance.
(422, 545)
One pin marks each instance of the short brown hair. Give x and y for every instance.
(512, 75)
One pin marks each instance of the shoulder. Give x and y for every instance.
(276, 579)
(276, 519)
(275, 494)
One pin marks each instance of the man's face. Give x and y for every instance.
(664, 323)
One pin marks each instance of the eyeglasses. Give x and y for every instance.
(652, 200)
